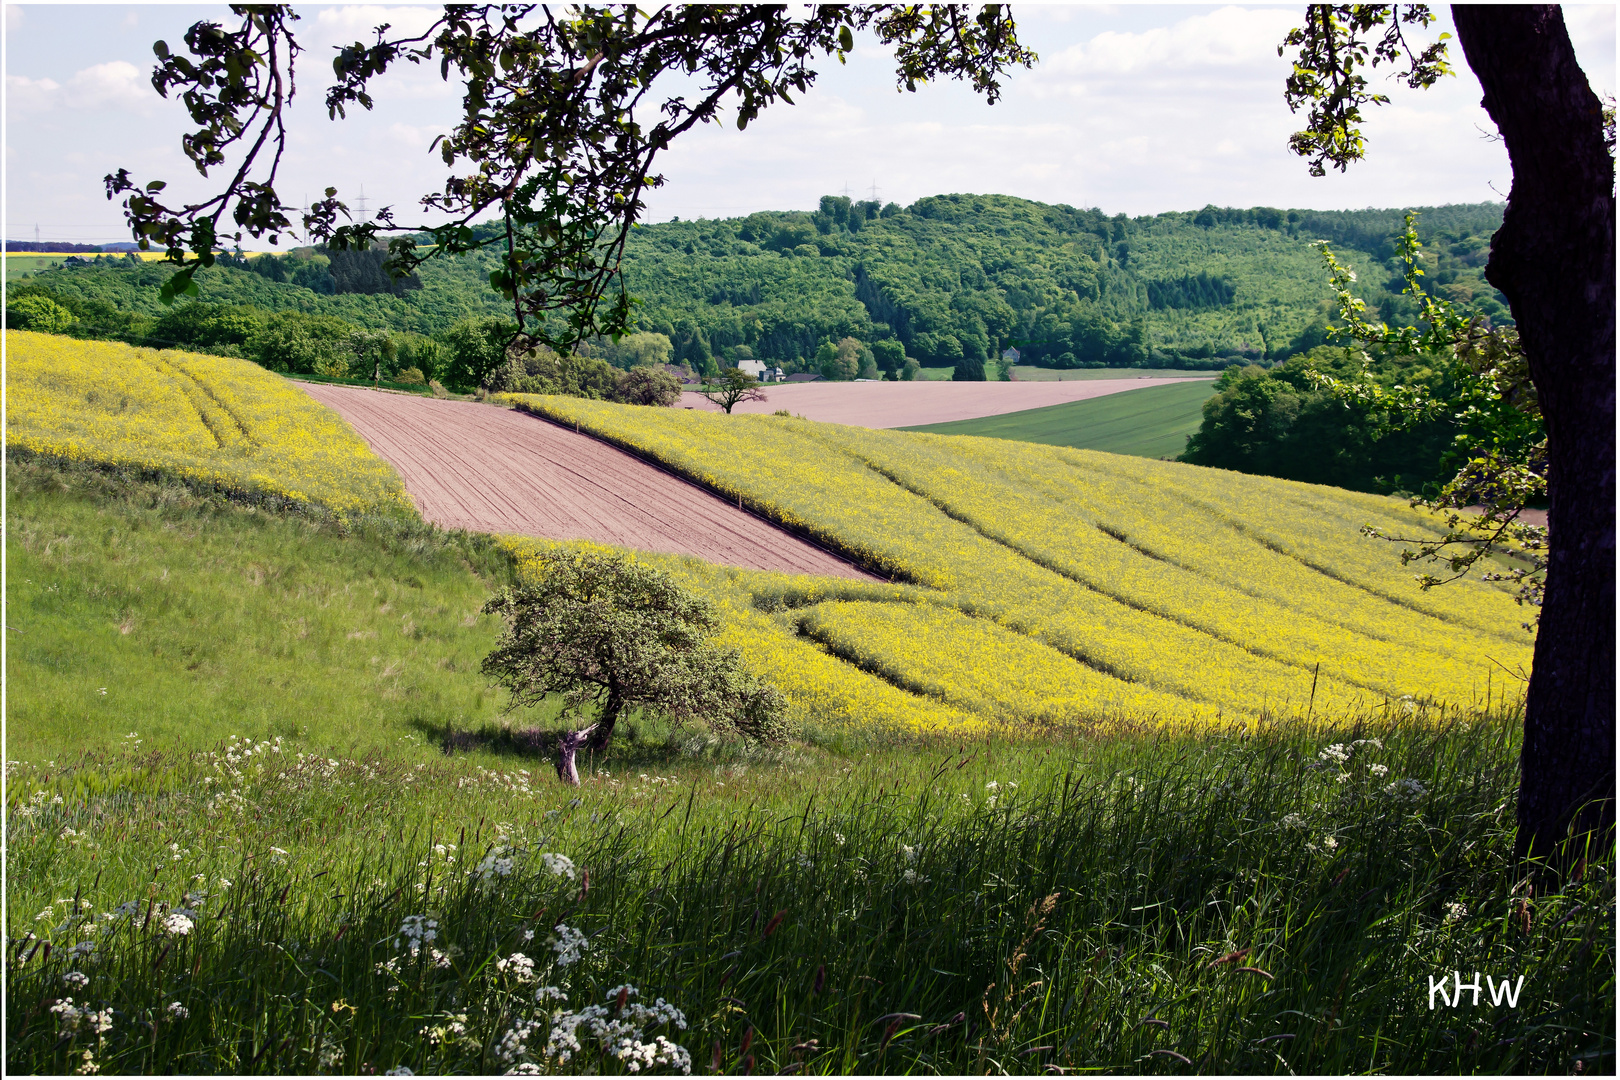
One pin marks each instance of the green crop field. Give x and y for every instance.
(1152, 422)
(1134, 767)
(1030, 373)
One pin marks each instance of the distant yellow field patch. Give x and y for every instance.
(224, 422)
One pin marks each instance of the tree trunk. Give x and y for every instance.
(604, 724)
(568, 744)
(1554, 260)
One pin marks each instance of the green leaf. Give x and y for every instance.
(846, 40)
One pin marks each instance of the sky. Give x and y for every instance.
(1136, 109)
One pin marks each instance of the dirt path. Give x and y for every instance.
(491, 469)
(904, 404)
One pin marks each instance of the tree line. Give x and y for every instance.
(953, 280)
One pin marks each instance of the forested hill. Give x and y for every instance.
(950, 275)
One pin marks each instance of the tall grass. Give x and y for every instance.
(1268, 903)
(189, 617)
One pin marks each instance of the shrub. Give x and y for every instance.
(647, 386)
(39, 313)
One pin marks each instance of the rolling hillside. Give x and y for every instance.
(1024, 587)
(948, 275)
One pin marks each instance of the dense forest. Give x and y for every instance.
(953, 279)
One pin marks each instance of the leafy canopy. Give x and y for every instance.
(604, 629)
(561, 127)
(1494, 405)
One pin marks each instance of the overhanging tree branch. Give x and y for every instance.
(558, 127)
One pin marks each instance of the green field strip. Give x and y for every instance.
(1152, 422)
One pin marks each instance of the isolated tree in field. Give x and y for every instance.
(1553, 259)
(604, 630)
(731, 388)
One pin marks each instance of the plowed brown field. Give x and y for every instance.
(492, 469)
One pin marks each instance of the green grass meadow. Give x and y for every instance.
(227, 862)
(146, 607)
(1152, 422)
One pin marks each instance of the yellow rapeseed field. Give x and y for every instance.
(1043, 584)
(210, 419)
(823, 690)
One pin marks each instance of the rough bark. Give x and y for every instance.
(1553, 259)
(568, 744)
(604, 723)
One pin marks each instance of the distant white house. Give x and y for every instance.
(759, 371)
(1010, 356)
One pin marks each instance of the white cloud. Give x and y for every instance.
(1591, 31)
(112, 85)
(1231, 42)
(30, 95)
(117, 84)
(345, 25)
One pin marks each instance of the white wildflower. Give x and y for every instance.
(838, 838)
(400, 1070)
(908, 852)
(1338, 753)
(991, 785)
(416, 931)
(75, 980)
(520, 967)
(331, 1052)
(1406, 790)
(455, 1027)
(497, 864)
(177, 1011)
(515, 1042)
(911, 877)
(549, 993)
(1456, 912)
(177, 923)
(560, 865)
(568, 944)
(1294, 821)
(68, 1015)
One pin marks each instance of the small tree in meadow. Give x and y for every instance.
(732, 387)
(604, 630)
